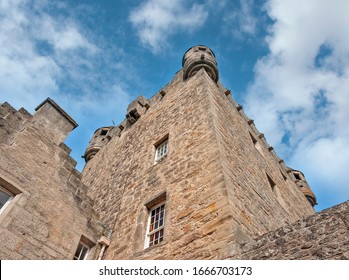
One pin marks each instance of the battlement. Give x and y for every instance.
(16, 125)
(11, 121)
(49, 117)
(49, 197)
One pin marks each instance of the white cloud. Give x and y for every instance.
(21, 70)
(247, 21)
(156, 20)
(301, 89)
(26, 75)
(62, 36)
(44, 52)
(240, 20)
(216, 5)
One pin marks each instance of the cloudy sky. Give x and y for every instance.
(286, 62)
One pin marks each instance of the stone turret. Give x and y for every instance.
(303, 186)
(198, 57)
(99, 139)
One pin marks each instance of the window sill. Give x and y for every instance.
(160, 160)
(161, 244)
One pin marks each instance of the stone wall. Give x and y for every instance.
(50, 211)
(221, 182)
(216, 184)
(322, 236)
(123, 179)
(256, 206)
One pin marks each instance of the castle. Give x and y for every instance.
(186, 175)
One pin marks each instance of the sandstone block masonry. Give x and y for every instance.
(322, 236)
(49, 212)
(186, 175)
(220, 181)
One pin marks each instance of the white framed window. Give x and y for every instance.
(82, 251)
(84, 248)
(156, 225)
(161, 150)
(5, 197)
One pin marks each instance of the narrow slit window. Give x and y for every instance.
(254, 141)
(283, 175)
(257, 145)
(271, 183)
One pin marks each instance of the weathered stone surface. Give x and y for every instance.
(47, 217)
(324, 235)
(226, 191)
(216, 181)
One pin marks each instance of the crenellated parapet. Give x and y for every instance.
(46, 194)
(49, 117)
(12, 121)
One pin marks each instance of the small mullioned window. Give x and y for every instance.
(156, 224)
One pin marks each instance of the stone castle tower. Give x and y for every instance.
(186, 175)
(191, 151)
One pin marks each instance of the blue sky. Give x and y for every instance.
(286, 62)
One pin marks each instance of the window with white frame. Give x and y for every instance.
(156, 224)
(161, 150)
(5, 197)
(82, 251)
